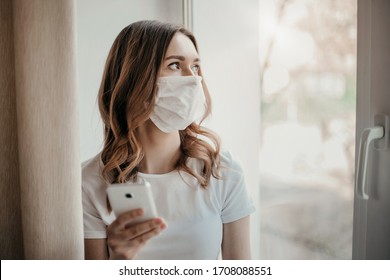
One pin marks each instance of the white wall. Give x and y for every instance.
(227, 33)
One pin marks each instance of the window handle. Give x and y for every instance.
(367, 136)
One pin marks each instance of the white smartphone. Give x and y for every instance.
(126, 197)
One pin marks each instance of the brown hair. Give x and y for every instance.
(126, 99)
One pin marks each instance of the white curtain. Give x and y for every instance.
(41, 211)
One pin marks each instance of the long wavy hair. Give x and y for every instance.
(126, 99)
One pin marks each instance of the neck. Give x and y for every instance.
(162, 150)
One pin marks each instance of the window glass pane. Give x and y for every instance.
(308, 96)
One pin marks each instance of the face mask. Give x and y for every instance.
(180, 101)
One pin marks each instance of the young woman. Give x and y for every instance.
(152, 100)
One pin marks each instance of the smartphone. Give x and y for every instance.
(126, 197)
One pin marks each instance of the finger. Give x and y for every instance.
(141, 228)
(145, 237)
(123, 219)
(127, 250)
(122, 238)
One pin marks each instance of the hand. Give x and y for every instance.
(125, 241)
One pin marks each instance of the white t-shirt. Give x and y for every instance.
(194, 215)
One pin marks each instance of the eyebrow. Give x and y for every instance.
(180, 57)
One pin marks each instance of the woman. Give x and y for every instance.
(152, 99)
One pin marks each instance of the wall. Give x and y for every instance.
(228, 32)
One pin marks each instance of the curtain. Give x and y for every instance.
(41, 210)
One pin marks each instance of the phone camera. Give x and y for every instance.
(129, 195)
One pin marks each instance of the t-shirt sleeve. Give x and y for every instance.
(94, 227)
(237, 203)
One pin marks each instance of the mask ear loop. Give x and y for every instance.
(208, 101)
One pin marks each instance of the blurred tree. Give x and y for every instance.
(332, 25)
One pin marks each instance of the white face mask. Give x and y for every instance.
(180, 101)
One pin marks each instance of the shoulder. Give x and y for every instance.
(234, 197)
(230, 166)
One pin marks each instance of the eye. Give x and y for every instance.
(174, 66)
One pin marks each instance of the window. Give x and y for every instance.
(308, 98)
